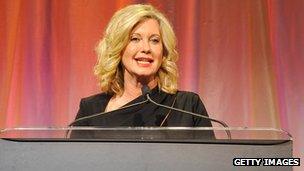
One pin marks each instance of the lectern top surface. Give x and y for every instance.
(239, 135)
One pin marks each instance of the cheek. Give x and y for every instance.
(159, 53)
(157, 50)
(131, 48)
(128, 53)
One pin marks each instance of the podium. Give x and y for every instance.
(140, 148)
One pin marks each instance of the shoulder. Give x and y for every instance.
(189, 101)
(91, 105)
(188, 98)
(94, 104)
(184, 96)
(95, 98)
(187, 95)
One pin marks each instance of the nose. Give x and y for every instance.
(146, 47)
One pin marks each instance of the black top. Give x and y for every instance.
(147, 114)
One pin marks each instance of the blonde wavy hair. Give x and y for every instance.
(116, 37)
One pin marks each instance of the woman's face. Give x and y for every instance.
(143, 54)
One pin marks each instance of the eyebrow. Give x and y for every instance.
(149, 36)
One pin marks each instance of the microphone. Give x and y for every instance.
(146, 91)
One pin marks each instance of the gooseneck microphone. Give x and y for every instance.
(146, 92)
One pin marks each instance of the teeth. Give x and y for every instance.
(143, 62)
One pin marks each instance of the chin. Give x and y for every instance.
(145, 74)
(144, 71)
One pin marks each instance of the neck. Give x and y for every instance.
(133, 85)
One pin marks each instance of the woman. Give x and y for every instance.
(138, 48)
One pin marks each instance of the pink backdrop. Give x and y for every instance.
(244, 57)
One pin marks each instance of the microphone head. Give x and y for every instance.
(145, 90)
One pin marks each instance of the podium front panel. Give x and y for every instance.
(70, 154)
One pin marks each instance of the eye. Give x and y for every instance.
(135, 39)
(155, 40)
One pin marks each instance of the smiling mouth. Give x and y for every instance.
(144, 60)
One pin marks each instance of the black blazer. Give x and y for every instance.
(148, 114)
